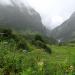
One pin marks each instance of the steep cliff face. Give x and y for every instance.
(20, 17)
(65, 31)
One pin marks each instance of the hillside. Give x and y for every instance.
(65, 31)
(22, 56)
(20, 17)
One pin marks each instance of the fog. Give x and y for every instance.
(52, 12)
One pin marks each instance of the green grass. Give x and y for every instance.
(64, 59)
(36, 62)
(62, 54)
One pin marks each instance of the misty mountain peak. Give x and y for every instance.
(66, 31)
(5, 2)
(22, 5)
(73, 15)
(19, 17)
(19, 3)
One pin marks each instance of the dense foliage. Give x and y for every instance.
(20, 56)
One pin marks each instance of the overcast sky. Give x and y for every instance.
(53, 12)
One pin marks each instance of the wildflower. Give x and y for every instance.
(24, 51)
(40, 65)
(71, 68)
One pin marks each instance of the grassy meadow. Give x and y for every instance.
(22, 56)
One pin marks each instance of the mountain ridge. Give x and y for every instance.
(22, 19)
(65, 31)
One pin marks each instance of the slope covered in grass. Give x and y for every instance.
(20, 55)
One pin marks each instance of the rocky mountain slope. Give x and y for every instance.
(65, 31)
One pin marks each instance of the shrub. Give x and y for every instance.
(22, 45)
(42, 45)
(7, 32)
(39, 38)
(48, 50)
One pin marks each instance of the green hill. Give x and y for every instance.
(21, 55)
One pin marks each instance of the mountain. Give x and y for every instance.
(65, 31)
(19, 17)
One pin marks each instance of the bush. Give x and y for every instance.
(42, 45)
(39, 38)
(7, 33)
(22, 45)
(48, 50)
